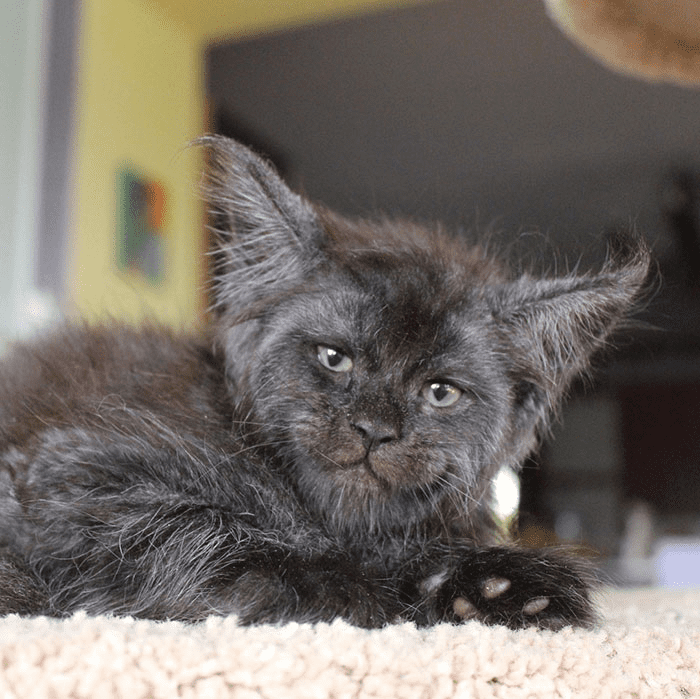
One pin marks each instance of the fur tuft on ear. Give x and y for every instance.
(555, 325)
(266, 235)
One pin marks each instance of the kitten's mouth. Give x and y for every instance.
(364, 466)
(367, 465)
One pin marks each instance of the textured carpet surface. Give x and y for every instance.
(647, 645)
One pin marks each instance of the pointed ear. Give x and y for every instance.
(267, 236)
(555, 325)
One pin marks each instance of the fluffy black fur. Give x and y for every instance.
(325, 449)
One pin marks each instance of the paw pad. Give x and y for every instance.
(464, 609)
(495, 587)
(536, 605)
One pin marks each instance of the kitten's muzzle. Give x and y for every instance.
(375, 432)
(377, 419)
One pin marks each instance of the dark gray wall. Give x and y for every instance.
(463, 110)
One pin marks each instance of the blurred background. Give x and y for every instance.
(480, 113)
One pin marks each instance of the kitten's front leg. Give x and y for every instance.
(513, 587)
(285, 586)
(21, 591)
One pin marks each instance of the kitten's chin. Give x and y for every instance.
(369, 476)
(355, 500)
(356, 479)
(362, 476)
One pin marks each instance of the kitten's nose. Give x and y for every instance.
(374, 433)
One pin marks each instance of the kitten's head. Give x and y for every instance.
(394, 369)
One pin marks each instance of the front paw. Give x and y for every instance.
(518, 588)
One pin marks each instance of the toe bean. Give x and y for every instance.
(495, 587)
(463, 608)
(536, 605)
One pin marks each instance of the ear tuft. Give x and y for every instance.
(555, 325)
(629, 255)
(266, 234)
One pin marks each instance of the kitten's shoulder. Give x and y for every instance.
(103, 350)
(76, 366)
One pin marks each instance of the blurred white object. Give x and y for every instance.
(506, 488)
(635, 564)
(677, 561)
(24, 307)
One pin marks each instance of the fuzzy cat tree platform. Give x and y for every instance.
(647, 646)
(654, 39)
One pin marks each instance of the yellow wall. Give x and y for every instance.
(139, 102)
(226, 19)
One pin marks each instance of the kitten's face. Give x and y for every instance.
(392, 367)
(383, 391)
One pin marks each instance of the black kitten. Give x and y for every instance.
(325, 450)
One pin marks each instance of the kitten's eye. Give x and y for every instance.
(333, 360)
(441, 395)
